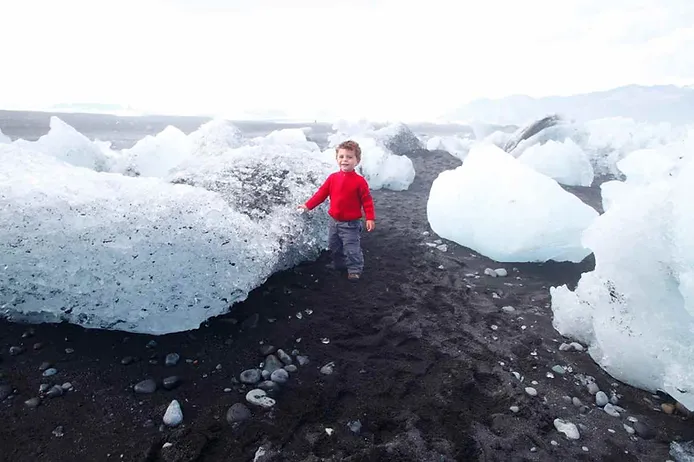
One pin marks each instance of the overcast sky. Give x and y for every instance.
(355, 58)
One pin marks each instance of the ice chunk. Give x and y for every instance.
(398, 138)
(454, 145)
(531, 130)
(144, 255)
(154, 156)
(381, 168)
(636, 309)
(294, 137)
(215, 138)
(563, 161)
(503, 209)
(4, 138)
(67, 144)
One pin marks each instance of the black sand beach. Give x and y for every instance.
(423, 357)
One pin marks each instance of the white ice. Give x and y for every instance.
(564, 161)
(454, 145)
(635, 310)
(505, 210)
(4, 138)
(150, 254)
(380, 166)
(154, 156)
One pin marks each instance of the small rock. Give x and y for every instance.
(127, 360)
(564, 347)
(501, 272)
(584, 409)
(28, 333)
(151, 344)
(531, 391)
(284, 357)
(5, 391)
(267, 349)
(272, 388)
(328, 369)
(629, 430)
(302, 360)
(55, 391)
(559, 369)
(577, 346)
(354, 426)
(59, 431)
(44, 365)
(44, 387)
(146, 386)
(291, 368)
(610, 410)
(272, 364)
(508, 309)
(601, 399)
(172, 359)
(50, 371)
(258, 397)
(490, 272)
(15, 350)
(66, 386)
(38, 345)
(33, 403)
(567, 428)
(593, 388)
(173, 415)
(514, 409)
(265, 374)
(250, 376)
(576, 402)
(169, 383)
(280, 376)
(238, 413)
(668, 408)
(644, 431)
(567, 399)
(69, 351)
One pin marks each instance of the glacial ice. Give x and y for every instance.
(635, 310)
(564, 162)
(506, 211)
(4, 138)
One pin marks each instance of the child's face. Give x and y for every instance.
(347, 160)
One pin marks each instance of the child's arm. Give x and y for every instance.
(318, 198)
(367, 204)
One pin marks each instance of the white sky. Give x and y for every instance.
(354, 58)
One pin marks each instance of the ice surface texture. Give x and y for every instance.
(636, 309)
(506, 211)
(160, 252)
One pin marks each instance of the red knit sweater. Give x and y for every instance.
(348, 192)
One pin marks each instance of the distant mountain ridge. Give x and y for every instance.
(654, 104)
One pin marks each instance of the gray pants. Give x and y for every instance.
(344, 241)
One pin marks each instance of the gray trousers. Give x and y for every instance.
(344, 242)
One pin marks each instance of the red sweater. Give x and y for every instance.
(348, 193)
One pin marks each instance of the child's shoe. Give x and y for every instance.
(354, 277)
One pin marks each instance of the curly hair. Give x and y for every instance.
(350, 145)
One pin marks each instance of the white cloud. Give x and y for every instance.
(378, 59)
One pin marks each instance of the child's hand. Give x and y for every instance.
(370, 225)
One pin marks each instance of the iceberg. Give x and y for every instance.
(564, 162)
(506, 211)
(635, 310)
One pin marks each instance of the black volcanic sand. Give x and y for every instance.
(416, 361)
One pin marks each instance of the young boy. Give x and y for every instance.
(349, 193)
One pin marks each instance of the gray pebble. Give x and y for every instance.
(508, 309)
(238, 413)
(33, 403)
(44, 387)
(171, 382)
(564, 347)
(67, 386)
(5, 391)
(272, 364)
(295, 352)
(267, 349)
(258, 397)
(15, 350)
(567, 399)
(266, 374)
(146, 386)
(531, 391)
(44, 365)
(514, 409)
(172, 359)
(644, 431)
(151, 344)
(38, 345)
(302, 360)
(270, 387)
(593, 388)
(55, 391)
(127, 360)
(173, 415)
(50, 371)
(576, 402)
(558, 369)
(501, 272)
(327, 369)
(577, 346)
(69, 350)
(584, 409)
(354, 426)
(610, 409)
(291, 368)
(601, 399)
(280, 376)
(250, 376)
(284, 357)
